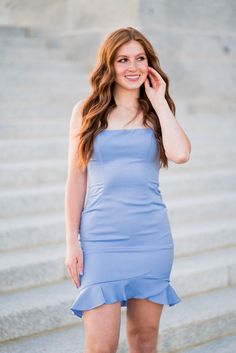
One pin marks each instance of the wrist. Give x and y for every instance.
(160, 103)
(72, 238)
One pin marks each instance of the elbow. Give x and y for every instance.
(182, 158)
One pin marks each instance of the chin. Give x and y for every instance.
(131, 85)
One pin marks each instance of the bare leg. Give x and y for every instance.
(142, 325)
(102, 328)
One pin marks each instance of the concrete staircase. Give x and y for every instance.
(38, 90)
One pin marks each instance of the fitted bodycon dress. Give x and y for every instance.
(124, 229)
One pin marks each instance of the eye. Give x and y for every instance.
(121, 60)
(141, 57)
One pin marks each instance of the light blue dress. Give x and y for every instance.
(124, 229)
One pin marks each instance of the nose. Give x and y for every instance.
(132, 65)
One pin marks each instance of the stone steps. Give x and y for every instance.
(45, 73)
(35, 129)
(36, 310)
(210, 234)
(44, 83)
(203, 272)
(24, 51)
(20, 44)
(216, 180)
(202, 207)
(28, 268)
(13, 31)
(32, 173)
(200, 318)
(225, 344)
(29, 232)
(25, 202)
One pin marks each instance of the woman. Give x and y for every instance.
(119, 138)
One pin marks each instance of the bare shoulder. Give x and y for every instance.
(76, 116)
(74, 129)
(78, 106)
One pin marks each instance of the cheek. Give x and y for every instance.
(144, 68)
(119, 70)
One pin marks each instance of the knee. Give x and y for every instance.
(145, 340)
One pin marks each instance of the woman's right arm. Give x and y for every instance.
(75, 191)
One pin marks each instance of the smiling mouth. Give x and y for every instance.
(132, 77)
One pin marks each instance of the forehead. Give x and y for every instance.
(131, 48)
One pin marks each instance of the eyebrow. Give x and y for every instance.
(126, 55)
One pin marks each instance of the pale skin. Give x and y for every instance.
(102, 324)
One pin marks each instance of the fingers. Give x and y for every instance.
(147, 83)
(153, 79)
(73, 270)
(74, 274)
(154, 73)
(74, 263)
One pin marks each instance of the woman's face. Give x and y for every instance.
(131, 65)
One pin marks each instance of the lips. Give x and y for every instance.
(132, 77)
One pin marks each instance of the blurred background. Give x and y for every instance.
(48, 49)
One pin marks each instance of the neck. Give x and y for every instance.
(127, 107)
(126, 98)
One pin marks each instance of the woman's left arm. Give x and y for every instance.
(176, 143)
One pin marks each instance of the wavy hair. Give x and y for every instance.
(100, 102)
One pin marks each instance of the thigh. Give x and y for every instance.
(102, 325)
(143, 317)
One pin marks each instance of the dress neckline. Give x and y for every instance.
(134, 129)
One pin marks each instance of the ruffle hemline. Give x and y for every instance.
(157, 290)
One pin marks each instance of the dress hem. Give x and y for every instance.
(156, 290)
